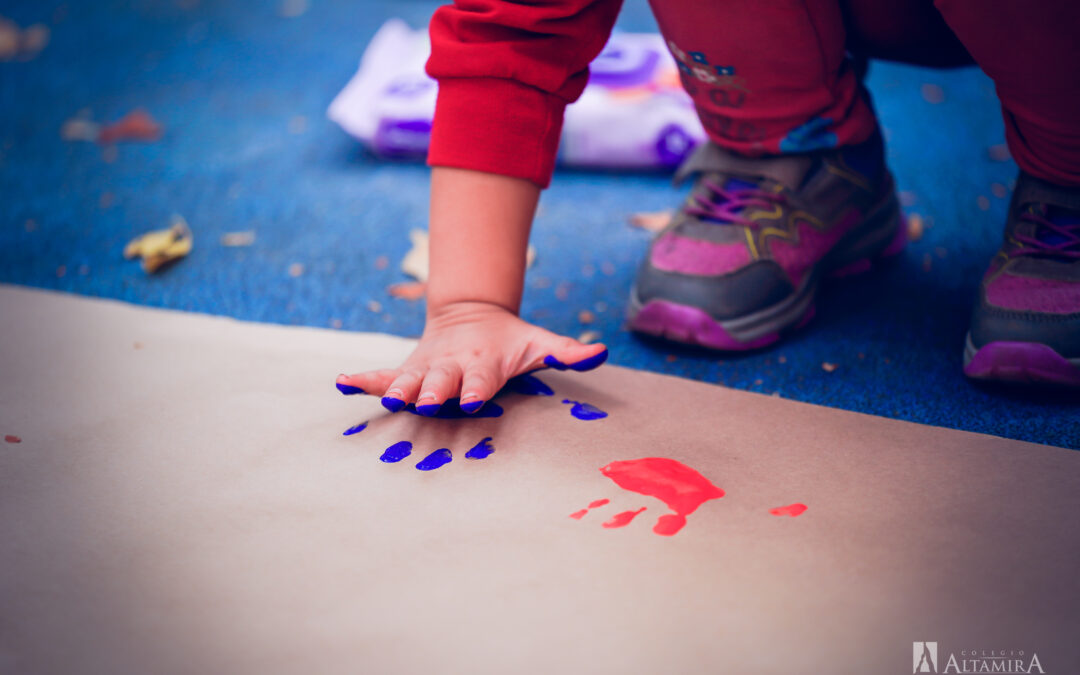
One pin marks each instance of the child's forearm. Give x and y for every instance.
(479, 234)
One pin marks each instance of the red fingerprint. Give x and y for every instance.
(789, 510)
(623, 519)
(677, 485)
(578, 515)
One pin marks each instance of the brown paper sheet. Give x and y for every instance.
(183, 501)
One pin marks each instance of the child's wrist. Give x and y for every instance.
(463, 308)
(440, 300)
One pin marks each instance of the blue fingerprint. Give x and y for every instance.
(397, 452)
(435, 460)
(355, 430)
(481, 450)
(451, 410)
(584, 364)
(472, 406)
(585, 411)
(527, 384)
(427, 410)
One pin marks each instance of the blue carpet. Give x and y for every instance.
(228, 78)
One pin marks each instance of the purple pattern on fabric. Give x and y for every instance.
(810, 245)
(673, 253)
(1034, 295)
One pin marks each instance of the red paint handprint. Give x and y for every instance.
(677, 485)
(683, 489)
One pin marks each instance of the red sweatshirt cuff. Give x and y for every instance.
(497, 126)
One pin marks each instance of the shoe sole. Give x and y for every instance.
(693, 326)
(1020, 362)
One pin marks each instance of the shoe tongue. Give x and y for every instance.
(737, 184)
(1057, 216)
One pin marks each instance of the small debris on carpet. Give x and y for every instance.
(137, 125)
(374, 306)
(999, 152)
(999, 190)
(159, 247)
(290, 9)
(586, 317)
(982, 202)
(932, 93)
(80, 129)
(829, 367)
(652, 221)
(408, 290)
(22, 44)
(589, 336)
(382, 262)
(235, 239)
(296, 269)
(915, 227)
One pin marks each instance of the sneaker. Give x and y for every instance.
(1026, 323)
(740, 262)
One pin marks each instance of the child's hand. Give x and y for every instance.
(469, 350)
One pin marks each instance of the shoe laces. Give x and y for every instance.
(1058, 239)
(726, 205)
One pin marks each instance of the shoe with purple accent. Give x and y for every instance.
(740, 262)
(1026, 323)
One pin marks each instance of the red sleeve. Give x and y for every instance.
(506, 70)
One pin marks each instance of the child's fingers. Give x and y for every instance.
(440, 383)
(402, 390)
(573, 355)
(373, 382)
(482, 379)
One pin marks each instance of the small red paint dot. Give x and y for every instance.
(12, 439)
(789, 510)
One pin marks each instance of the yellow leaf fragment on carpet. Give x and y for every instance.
(652, 221)
(161, 246)
(915, 227)
(408, 290)
(589, 337)
(416, 262)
